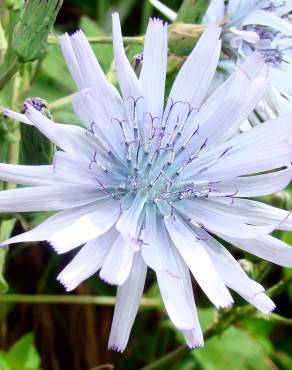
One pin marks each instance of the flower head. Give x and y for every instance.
(264, 26)
(143, 185)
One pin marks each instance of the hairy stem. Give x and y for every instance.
(9, 73)
(128, 40)
(55, 105)
(71, 299)
(223, 322)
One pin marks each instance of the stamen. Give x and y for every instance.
(92, 161)
(91, 129)
(105, 189)
(152, 183)
(186, 143)
(135, 120)
(172, 105)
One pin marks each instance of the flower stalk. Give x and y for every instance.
(128, 40)
(9, 73)
(146, 303)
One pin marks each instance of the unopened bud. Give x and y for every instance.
(281, 199)
(247, 266)
(137, 61)
(32, 30)
(35, 147)
(182, 37)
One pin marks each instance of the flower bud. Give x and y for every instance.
(247, 266)
(182, 37)
(35, 148)
(31, 32)
(281, 199)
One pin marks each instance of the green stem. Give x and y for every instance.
(279, 287)
(9, 73)
(222, 323)
(60, 102)
(71, 299)
(129, 40)
(274, 319)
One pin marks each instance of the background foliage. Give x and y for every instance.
(74, 336)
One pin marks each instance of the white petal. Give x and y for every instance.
(157, 251)
(46, 198)
(15, 115)
(266, 247)
(90, 111)
(118, 262)
(262, 302)
(253, 212)
(268, 142)
(281, 80)
(243, 163)
(128, 298)
(76, 171)
(71, 60)
(66, 137)
(86, 262)
(252, 186)
(128, 221)
(268, 19)
(150, 251)
(218, 221)
(198, 261)
(215, 12)
(193, 337)
(224, 111)
(55, 223)
(228, 268)
(87, 72)
(194, 78)
(218, 113)
(128, 81)
(27, 175)
(87, 227)
(257, 90)
(248, 36)
(153, 72)
(163, 9)
(175, 300)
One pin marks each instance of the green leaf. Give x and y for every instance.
(23, 354)
(260, 330)
(3, 282)
(235, 348)
(4, 363)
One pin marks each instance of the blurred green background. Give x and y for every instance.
(74, 336)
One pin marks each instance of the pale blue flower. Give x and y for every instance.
(254, 25)
(264, 26)
(143, 185)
